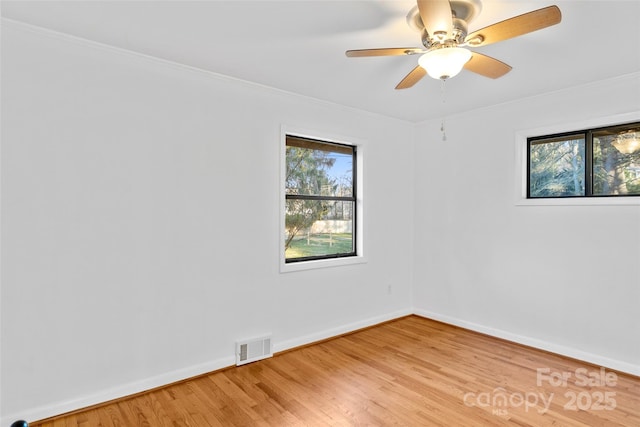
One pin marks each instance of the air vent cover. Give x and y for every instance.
(253, 349)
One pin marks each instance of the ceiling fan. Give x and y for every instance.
(443, 26)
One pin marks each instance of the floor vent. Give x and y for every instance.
(251, 350)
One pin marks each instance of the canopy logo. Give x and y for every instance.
(499, 400)
(590, 399)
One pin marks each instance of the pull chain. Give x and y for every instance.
(442, 95)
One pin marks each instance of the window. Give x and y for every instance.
(320, 200)
(590, 163)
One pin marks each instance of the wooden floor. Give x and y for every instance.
(408, 372)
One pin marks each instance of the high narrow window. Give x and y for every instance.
(320, 200)
(589, 163)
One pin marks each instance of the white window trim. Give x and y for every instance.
(322, 263)
(521, 163)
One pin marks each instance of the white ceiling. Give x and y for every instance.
(298, 46)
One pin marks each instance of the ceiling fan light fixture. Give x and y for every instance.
(445, 62)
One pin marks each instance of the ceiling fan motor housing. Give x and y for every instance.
(462, 12)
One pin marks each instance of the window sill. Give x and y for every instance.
(581, 201)
(321, 263)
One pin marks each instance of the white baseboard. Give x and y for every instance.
(182, 374)
(342, 329)
(562, 350)
(58, 408)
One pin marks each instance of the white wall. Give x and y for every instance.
(140, 232)
(564, 278)
(140, 223)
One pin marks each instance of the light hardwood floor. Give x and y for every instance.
(409, 372)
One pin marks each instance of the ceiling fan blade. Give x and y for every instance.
(516, 26)
(395, 51)
(412, 78)
(436, 16)
(486, 66)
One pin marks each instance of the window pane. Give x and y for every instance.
(318, 228)
(616, 165)
(556, 167)
(315, 172)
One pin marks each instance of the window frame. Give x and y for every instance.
(564, 136)
(521, 182)
(587, 136)
(353, 149)
(357, 257)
